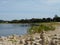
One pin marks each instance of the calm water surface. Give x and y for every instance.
(9, 29)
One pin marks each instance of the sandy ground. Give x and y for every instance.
(56, 31)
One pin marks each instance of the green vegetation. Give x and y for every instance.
(33, 20)
(38, 29)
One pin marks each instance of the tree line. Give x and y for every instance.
(56, 18)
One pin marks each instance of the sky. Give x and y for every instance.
(27, 9)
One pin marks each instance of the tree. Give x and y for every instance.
(49, 19)
(56, 18)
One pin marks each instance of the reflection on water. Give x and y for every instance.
(9, 29)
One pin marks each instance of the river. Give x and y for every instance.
(9, 29)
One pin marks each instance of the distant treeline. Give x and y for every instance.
(34, 20)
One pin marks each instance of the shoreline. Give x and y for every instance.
(27, 39)
(43, 38)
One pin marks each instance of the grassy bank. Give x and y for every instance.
(42, 26)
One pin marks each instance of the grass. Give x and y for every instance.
(42, 26)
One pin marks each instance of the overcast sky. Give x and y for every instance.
(26, 9)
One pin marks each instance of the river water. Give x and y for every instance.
(9, 29)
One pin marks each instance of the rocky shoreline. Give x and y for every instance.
(35, 39)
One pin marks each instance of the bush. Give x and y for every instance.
(38, 29)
